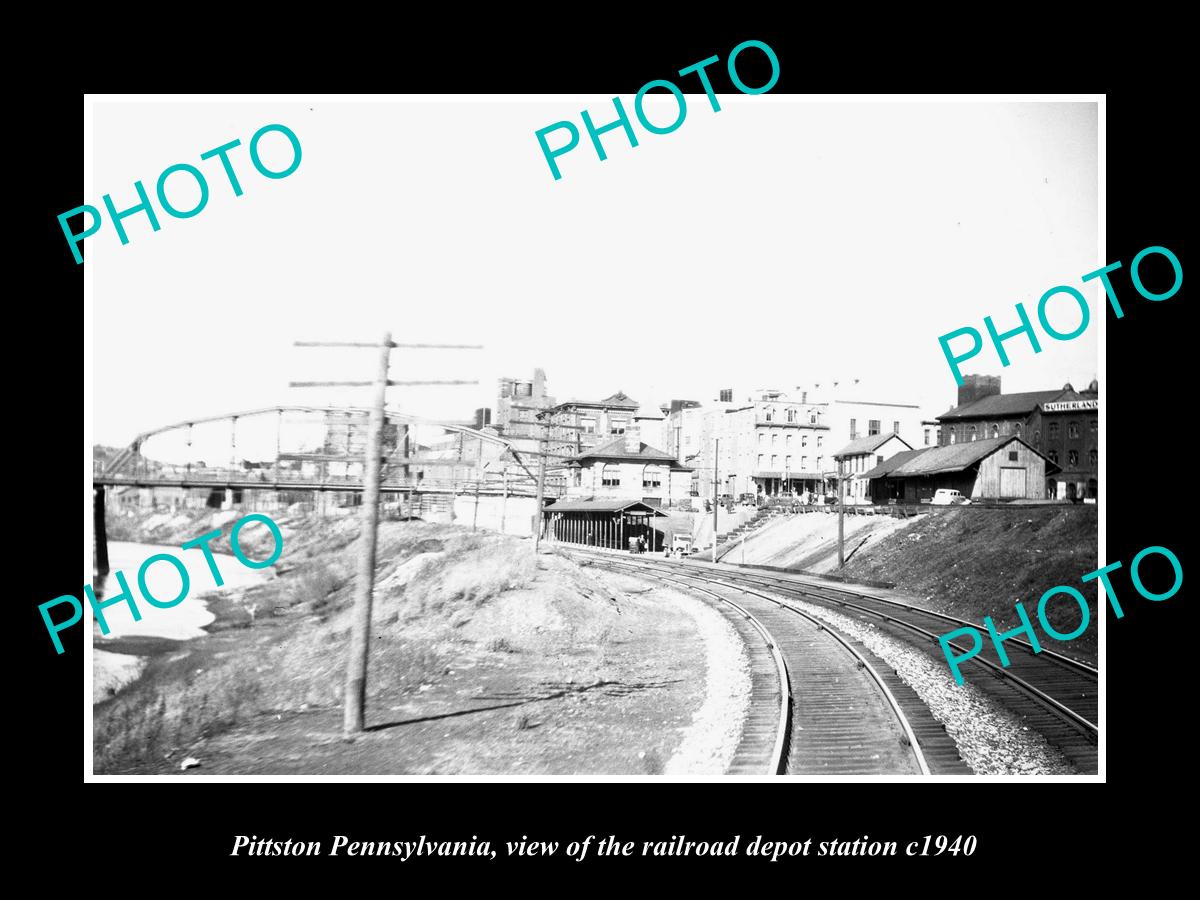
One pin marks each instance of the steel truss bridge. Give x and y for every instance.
(477, 462)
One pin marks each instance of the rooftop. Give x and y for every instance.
(616, 449)
(998, 406)
(868, 444)
(609, 506)
(951, 458)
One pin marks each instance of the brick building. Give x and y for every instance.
(1062, 424)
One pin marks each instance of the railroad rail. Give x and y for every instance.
(840, 716)
(1052, 693)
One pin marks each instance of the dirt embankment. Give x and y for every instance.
(972, 563)
(484, 658)
(808, 541)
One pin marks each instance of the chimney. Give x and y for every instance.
(976, 387)
(633, 438)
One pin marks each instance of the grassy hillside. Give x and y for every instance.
(460, 619)
(972, 562)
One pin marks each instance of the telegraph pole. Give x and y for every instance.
(360, 628)
(541, 491)
(841, 519)
(716, 504)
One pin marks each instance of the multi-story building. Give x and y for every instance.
(627, 468)
(857, 409)
(579, 425)
(1061, 424)
(771, 443)
(518, 403)
(861, 456)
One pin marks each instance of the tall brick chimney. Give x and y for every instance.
(633, 437)
(976, 387)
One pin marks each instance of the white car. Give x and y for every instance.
(948, 497)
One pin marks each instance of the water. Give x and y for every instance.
(184, 622)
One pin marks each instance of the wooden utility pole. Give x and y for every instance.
(716, 503)
(504, 500)
(360, 628)
(841, 518)
(541, 491)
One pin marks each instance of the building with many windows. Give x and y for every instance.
(1062, 424)
(626, 468)
(579, 425)
(770, 443)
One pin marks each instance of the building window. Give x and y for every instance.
(804, 464)
(787, 463)
(774, 461)
(812, 418)
(878, 459)
(1053, 455)
(1092, 458)
(617, 426)
(1073, 430)
(762, 438)
(804, 440)
(872, 427)
(953, 435)
(1017, 429)
(770, 413)
(1072, 458)
(726, 395)
(853, 429)
(938, 437)
(1012, 455)
(652, 478)
(589, 426)
(610, 475)
(820, 440)
(774, 439)
(995, 430)
(760, 460)
(1052, 431)
(820, 463)
(788, 440)
(926, 437)
(971, 433)
(1037, 437)
(896, 427)
(791, 415)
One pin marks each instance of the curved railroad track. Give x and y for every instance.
(838, 713)
(1053, 694)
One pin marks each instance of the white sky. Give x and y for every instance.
(774, 243)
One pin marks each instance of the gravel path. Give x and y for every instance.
(711, 739)
(990, 739)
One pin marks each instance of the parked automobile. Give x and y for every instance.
(681, 545)
(948, 497)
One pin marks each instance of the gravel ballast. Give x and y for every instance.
(711, 739)
(990, 739)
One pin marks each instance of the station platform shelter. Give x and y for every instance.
(612, 524)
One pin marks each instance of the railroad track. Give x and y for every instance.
(1053, 694)
(837, 707)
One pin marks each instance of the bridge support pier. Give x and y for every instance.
(100, 532)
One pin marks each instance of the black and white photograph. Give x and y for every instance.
(532, 437)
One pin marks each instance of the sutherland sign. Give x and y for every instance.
(1070, 405)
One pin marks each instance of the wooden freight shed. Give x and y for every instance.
(1004, 468)
(603, 523)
